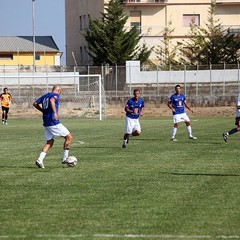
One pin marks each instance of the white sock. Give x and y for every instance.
(42, 156)
(174, 131)
(65, 154)
(189, 130)
(124, 142)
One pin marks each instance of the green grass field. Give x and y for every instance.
(153, 189)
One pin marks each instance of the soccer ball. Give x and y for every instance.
(71, 161)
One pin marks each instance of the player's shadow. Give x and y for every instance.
(145, 139)
(207, 174)
(100, 147)
(24, 167)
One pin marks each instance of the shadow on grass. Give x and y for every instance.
(145, 139)
(100, 147)
(207, 174)
(5, 166)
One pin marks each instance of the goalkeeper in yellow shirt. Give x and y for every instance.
(6, 99)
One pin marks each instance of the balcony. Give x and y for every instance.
(143, 2)
(227, 2)
(232, 29)
(149, 31)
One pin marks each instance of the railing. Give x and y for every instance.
(197, 81)
(143, 1)
(232, 29)
(149, 30)
(227, 1)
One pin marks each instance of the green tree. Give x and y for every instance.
(108, 40)
(210, 43)
(167, 52)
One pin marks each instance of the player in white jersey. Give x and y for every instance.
(237, 121)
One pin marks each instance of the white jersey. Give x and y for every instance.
(238, 106)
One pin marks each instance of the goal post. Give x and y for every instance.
(83, 95)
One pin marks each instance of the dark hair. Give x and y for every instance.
(177, 86)
(136, 90)
(5, 89)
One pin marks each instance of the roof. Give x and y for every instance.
(25, 44)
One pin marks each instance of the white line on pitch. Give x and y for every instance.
(127, 236)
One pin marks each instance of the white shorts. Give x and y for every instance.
(55, 131)
(132, 125)
(183, 117)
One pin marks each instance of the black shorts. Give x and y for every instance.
(6, 109)
(237, 121)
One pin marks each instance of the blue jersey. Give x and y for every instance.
(178, 103)
(48, 114)
(133, 104)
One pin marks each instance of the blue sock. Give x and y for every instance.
(234, 130)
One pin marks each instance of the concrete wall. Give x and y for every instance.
(134, 75)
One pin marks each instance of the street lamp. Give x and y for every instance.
(34, 42)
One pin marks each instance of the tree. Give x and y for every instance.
(211, 43)
(108, 40)
(167, 52)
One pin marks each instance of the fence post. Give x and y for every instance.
(157, 83)
(210, 66)
(197, 82)
(238, 77)
(224, 82)
(78, 85)
(19, 92)
(88, 72)
(185, 81)
(116, 72)
(130, 80)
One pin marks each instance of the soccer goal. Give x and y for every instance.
(82, 96)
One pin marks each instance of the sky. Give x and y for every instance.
(16, 20)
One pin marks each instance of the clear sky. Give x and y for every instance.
(16, 20)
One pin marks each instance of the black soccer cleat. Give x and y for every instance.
(225, 137)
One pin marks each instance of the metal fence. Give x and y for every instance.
(119, 80)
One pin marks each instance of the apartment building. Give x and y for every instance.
(150, 16)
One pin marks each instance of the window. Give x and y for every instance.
(81, 54)
(135, 19)
(191, 19)
(80, 22)
(6, 56)
(37, 56)
(84, 21)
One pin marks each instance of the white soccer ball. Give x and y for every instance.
(71, 161)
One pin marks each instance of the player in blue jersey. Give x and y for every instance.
(237, 122)
(48, 104)
(176, 103)
(134, 109)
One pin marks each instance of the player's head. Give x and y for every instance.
(5, 89)
(136, 93)
(178, 88)
(57, 89)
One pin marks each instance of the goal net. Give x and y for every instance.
(82, 96)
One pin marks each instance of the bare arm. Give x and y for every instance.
(52, 102)
(37, 106)
(170, 106)
(187, 106)
(126, 109)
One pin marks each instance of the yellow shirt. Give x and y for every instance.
(6, 98)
